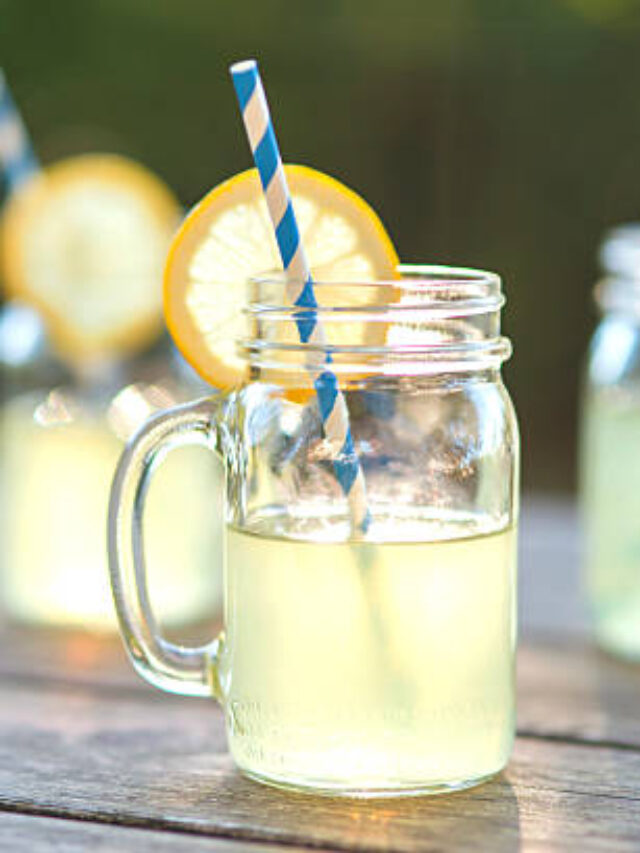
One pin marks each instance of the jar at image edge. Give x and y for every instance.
(610, 449)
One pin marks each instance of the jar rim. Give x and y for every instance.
(428, 319)
(417, 286)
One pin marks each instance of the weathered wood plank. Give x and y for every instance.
(20, 833)
(576, 692)
(37, 654)
(77, 656)
(161, 762)
(550, 592)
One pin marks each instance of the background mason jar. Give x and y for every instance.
(61, 433)
(610, 449)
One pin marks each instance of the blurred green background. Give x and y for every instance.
(496, 133)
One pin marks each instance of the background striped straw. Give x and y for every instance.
(333, 408)
(17, 157)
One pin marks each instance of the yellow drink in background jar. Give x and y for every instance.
(83, 241)
(611, 500)
(610, 449)
(58, 454)
(370, 665)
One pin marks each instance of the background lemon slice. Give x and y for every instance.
(85, 243)
(228, 238)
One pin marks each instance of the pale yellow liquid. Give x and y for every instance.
(610, 472)
(54, 493)
(372, 667)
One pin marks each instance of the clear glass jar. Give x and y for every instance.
(59, 445)
(610, 449)
(356, 662)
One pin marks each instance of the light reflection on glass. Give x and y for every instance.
(131, 407)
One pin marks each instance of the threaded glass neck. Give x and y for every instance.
(425, 321)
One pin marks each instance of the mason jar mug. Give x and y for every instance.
(361, 659)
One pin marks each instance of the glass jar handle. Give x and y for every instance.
(177, 669)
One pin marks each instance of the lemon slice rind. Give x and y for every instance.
(227, 238)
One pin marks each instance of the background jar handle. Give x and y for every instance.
(177, 669)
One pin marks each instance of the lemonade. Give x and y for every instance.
(611, 498)
(370, 665)
(57, 460)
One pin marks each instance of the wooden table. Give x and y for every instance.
(92, 757)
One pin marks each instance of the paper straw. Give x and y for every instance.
(333, 407)
(17, 157)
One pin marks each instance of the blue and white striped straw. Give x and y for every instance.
(333, 407)
(19, 163)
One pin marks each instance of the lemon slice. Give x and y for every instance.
(228, 237)
(85, 243)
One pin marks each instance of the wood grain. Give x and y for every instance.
(573, 692)
(99, 658)
(550, 589)
(21, 833)
(74, 752)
